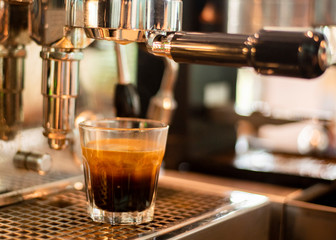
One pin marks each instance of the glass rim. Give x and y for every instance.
(160, 125)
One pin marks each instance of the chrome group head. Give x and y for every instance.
(63, 28)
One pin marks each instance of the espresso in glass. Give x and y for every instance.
(121, 169)
(123, 177)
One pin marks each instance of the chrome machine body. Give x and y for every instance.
(64, 28)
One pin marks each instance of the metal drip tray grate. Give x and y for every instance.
(19, 182)
(17, 186)
(15, 180)
(63, 216)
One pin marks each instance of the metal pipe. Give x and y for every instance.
(201, 48)
(60, 78)
(295, 54)
(162, 105)
(13, 36)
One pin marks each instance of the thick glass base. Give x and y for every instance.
(121, 218)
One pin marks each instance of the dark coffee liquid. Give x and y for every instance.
(121, 180)
(123, 193)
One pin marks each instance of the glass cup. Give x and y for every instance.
(122, 159)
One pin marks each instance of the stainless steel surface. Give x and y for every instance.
(202, 48)
(75, 13)
(181, 213)
(3, 20)
(18, 29)
(248, 16)
(38, 162)
(11, 87)
(39, 187)
(307, 220)
(123, 70)
(128, 21)
(162, 105)
(14, 35)
(310, 167)
(19, 184)
(47, 20)
(323, 12)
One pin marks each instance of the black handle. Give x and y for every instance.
(295, 54)
(126, 100)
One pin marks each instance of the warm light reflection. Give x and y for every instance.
(86, 115)
(78, 185)
(167, 103)
(208, 14)
(202, 48)
(312, 137)
(237, 197)
(249, 200)
(258, 161)
(92, 14)
(316, 138)
(309, 34)
(248, 89)
(323, 44)
(297, 166)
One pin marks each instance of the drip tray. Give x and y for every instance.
(180, 213)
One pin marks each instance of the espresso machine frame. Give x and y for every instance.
(63, 29)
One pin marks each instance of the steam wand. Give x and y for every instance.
(162, 105)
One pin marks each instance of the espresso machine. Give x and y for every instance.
(41, 158)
